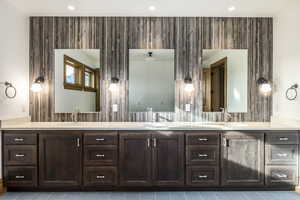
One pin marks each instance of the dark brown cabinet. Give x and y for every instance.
(60, 160)
(168, 159)
(152, 159)
(135, 159)
(243, 159)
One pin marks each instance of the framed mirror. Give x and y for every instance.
(225, 80)
(77, 80)
(151, 80)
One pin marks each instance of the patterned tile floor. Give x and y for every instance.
(262, 195)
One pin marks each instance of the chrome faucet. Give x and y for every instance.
(150, 116)
(75, 115)
(227, 115)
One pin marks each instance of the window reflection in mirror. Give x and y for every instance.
(77, 80)
(225, 80)
(151, 80)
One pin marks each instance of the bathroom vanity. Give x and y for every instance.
(131, 156)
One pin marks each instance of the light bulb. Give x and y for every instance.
(265, 88)
(113, 87)
(189, 87)
(36, 87)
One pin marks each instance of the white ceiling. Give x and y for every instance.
(244, 8)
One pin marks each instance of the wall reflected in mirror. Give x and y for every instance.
(151, 80)
(225, 80)
(77, 80)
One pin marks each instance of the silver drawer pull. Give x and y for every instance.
(100, 155)
(202, 176)
(202, 139)
(20, 177)
(283, 139)
(282, 155)
(100, 177)
(202, 155)
(281, 175)
(100, 139)
(18, 139)
(20, 155)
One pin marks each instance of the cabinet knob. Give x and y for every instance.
(203, 139)
(202, 176)
(202, 155)
(100, 177)
(20, 155)
(281, 175)
(100, 139)
(100, 155)
(20, 177)
(19, 139)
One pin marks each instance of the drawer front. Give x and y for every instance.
(199, 155)
(20, 155)
(20, 176)
(202, 139)
(109, 138)
(282, 138)
(281, 154)
(100, 155)
(281, 175)
(19, 138)
(100, 176)
(202, 176)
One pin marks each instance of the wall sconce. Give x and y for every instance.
(37, 84)
(113, 87)
(189, 86)
(264, 86)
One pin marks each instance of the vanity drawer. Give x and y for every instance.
(199, 155)
(19, 138)
(20, 176)
(282, 138)
(281, 175)
(100, 176)
(202, 139)
(20, 155)
(100, 155)
(107, 138)
(281, 154)
(202, 176)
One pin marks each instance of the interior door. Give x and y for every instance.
(243, 159)
(135, 159)
(60, 160)
(168, 158)
(218, 85)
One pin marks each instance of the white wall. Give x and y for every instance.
(14, 60)
(287, 60)
(237, 76)
(72, 100)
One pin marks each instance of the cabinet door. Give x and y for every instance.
(243, 155)
(135, 159)
(60, 160)
(168, 159)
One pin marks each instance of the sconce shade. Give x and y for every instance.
(37, 84)
(189, 86)
(113, 87)
(264, 86)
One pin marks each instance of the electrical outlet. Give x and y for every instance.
(115, 107)
(187, 107)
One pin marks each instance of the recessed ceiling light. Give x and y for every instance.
(71, 7)
(152, 8)
(231, 8)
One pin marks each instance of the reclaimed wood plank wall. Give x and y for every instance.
(115, 35)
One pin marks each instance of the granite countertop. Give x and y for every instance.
(225, 126)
